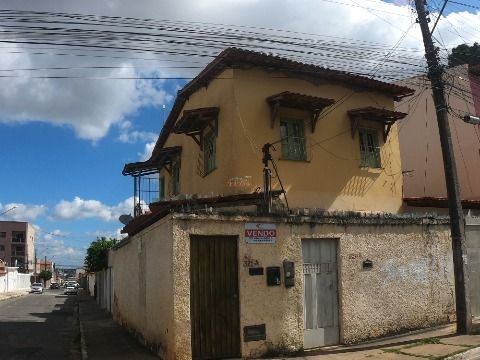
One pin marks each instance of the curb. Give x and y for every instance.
(83, 345)
(13, 296)
(471, 354)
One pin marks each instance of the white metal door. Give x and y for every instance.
(320, 292)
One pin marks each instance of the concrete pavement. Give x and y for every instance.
(14, 294)
(434, 344)
(36, 326)
(102, 338)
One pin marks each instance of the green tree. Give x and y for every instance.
(464, 54)
(45, 275)
(97, 254)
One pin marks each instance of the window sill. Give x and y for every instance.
(373, 170)
(294, 160)
(208, 173)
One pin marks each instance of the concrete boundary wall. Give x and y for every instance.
(143, 287)
(410, 285)
(13, 280)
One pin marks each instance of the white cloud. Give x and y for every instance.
(128, 135)
(89, 106)
(92, 106)
(83, 209)
(57, 247)
(22, 212)
(147, 151)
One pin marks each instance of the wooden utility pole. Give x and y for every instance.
(457, 223)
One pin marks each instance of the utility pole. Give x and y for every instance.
(457, 223)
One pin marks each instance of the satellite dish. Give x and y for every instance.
(125, 219)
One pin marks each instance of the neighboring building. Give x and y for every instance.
(17, 244)
(42, 265)
(215, 269)
(422, 162)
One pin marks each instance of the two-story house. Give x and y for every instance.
(277, 225)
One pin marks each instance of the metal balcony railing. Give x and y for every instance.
(146, 191)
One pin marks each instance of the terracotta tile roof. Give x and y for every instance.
(161, 209)
(296, 100)
(377, 114)
(439, 202)
(153, 164)
(233, 57)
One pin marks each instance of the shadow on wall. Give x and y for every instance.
(359, 185)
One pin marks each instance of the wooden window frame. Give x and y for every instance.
(209, 161)
(161, 190)
(368, 158)
(287, 154)
(175, 177)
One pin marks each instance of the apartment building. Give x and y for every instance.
(17, 244)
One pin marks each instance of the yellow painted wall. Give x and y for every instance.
(330, 178)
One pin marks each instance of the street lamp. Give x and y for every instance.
(13, 207)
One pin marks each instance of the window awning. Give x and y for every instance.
(159, 159)
(288, 99)
(194, 121)
(386, 117)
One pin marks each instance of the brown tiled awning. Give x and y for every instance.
(288, 99)
(439, 202)
(194, 121)
(386, 117)
(159, 159)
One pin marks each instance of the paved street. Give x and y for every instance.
(37, 326)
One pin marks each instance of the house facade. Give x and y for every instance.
(317, 119)
(278, 223)
(17, 245)
(422, 163)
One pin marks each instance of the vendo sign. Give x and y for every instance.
(260, 233)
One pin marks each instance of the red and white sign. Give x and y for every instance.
(260, 233)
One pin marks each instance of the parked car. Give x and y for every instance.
(54, 285)
(36, 288)
(70, 288)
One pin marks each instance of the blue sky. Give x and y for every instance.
(63, 142)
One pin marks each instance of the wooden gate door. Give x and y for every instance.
(214, 307)
(320, 292)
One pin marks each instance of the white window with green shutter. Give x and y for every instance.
(209, 152)
(369, 148)
(293, 139)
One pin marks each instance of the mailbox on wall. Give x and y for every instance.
(273, 276)
(289, 273)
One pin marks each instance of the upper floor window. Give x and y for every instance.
(293, 139)
(2, 247)
(18, 236)
(176, 177)
(209, 152)
(369, 149)
(3, 234)
(161, 188)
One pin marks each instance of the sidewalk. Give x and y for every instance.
(102, 338)
(13, 294)
(435, 344)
